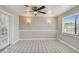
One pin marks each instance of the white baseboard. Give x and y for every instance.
(15, 41)
(69, 45)
(39, 39)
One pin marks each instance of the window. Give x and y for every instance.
(4, 29)
(71, 24)
(77, 24)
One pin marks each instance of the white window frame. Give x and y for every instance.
(63, 22)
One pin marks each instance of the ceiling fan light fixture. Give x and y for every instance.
(35, 13)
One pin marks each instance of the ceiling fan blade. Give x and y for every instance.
(28, 11)
(42, 7)
(42, 12)
(26, 5)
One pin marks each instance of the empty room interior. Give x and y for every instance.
(39, 28)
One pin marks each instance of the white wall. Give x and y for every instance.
(15, 29)
(38, 28)
(71, 39)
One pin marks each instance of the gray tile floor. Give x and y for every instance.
(38, 46)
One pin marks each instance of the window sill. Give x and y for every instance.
(75, 35)
(69, 33)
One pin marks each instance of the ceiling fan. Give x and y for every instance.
(36, 10)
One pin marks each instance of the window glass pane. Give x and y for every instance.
(78, 24)
(69, 24)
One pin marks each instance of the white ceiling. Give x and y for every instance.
(51, 10)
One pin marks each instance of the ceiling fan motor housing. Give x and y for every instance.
(35, 8)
